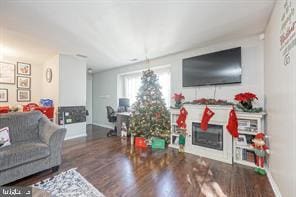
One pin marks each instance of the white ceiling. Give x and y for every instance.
(111, 33)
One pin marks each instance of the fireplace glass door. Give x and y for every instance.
(212, 138)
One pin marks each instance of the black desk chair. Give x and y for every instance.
(111, 118)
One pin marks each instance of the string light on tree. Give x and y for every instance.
(151, 117)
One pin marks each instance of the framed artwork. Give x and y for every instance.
(242, 140)
(3, 95)
(23, 95)
(23, 68)
(7, 73)
(24, 82)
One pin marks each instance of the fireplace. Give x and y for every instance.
(212, 138)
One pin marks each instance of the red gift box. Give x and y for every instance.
(140, 142)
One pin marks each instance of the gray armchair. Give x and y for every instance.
(36, 145)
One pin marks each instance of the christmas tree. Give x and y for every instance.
(150, 117)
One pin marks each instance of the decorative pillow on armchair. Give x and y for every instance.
(4, 137)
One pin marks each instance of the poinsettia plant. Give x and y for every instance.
(245, 100)
(245, 97)
(178, 99)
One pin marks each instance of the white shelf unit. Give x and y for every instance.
(249, 125)
(174, 139)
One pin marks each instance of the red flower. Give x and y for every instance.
(178, 97)
(247, 96)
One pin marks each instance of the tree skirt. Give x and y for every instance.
(68, 183)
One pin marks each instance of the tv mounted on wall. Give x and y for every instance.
(222, 67)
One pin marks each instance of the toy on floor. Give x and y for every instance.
(123, 130)
(182, 139)
(260, 150)
(181, 122)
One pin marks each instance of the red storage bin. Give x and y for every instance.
(140, 142)
(48, 111)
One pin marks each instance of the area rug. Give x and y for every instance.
(68, 184)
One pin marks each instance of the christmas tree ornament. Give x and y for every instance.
(150, 118)
(232, 125)
(206, 117)
(260, 151)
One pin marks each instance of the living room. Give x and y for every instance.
(147, 98)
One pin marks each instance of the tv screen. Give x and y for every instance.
(223, 67)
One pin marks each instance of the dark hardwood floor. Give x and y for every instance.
(117, 169)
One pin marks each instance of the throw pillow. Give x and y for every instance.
(4, 137)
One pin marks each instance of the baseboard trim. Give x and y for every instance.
(103, 125)
(273, 184)
(75, 136)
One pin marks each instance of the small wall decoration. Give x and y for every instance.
(23, 68)
(3, 95)
(242, 140)
(23, 95)
(24, 82)
(48, 75)
(288, 31)
(7, 73)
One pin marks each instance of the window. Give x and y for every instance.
(132, 82)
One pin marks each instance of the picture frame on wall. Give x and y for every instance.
(23, 82)
(23, 68)
(3, 95)
(23, 95)
(7, 73)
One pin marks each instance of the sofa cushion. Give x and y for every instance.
(22, 152)
(22, 126)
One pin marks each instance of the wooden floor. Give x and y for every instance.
(117, 169)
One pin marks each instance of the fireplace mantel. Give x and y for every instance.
(195, 113)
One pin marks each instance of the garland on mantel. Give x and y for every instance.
(204, 101)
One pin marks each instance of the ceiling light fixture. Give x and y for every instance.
(90, 70)
(82, 56)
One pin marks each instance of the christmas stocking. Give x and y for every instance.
(181, 122)
(232, 125)
(207, 115)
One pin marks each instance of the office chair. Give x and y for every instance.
(111, 118)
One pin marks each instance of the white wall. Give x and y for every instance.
(36, 86)
(72, 78)
(89, 98)
(105, 83)
(72, 89)
(280, 94)
(51, 90)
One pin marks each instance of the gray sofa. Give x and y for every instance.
(36, 145)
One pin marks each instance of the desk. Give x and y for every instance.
(122, 117)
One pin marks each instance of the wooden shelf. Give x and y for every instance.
(174, 146)
(244, 147)
(247, 132)
(254, 118)
(246, 163)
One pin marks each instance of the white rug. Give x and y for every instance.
(68, 184)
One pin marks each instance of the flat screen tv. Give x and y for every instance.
(222, 67)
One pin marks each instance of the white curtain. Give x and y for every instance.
(132, 83)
